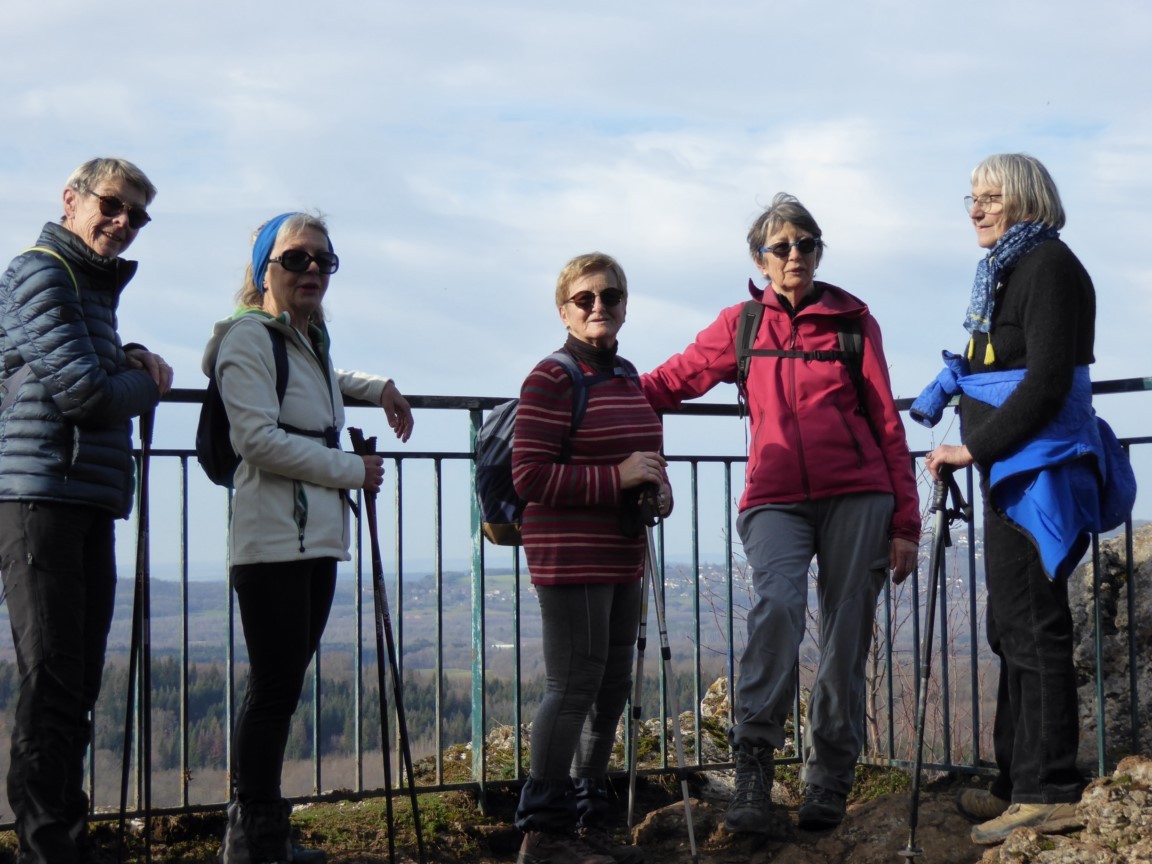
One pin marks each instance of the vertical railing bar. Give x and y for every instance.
(730, 618)
(697, 675)
(230, 666)
(184, 660)
(437, 467)
(476, 617)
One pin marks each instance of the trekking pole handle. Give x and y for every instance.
(649, 498)
(361, 446)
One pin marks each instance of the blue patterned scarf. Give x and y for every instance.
(1013, 245)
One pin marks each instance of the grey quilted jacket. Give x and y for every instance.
(67, 435)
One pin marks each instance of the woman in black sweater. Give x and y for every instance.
(1032, 312)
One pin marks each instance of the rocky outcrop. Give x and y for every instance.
(1117, 815)
(1124, 640)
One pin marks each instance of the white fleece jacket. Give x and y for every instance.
(287, 504)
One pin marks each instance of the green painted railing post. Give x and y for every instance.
(479, 773)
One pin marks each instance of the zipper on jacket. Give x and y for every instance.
(800, 461)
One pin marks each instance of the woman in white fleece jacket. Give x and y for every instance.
(290, 516)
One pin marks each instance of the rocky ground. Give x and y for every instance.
(1116, 810)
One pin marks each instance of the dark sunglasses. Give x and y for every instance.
(807, 246)
(111, 207)
(298, 261)
(586, 300)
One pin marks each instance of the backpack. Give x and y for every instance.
(213, 445)
(500, 506)
(850, 353)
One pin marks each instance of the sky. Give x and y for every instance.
(462, 152)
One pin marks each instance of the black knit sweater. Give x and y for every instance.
(1044, 321)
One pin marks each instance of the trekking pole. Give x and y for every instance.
(366, 447)
(637, 696)
(650, 508)
(139, 641)
(941, 539)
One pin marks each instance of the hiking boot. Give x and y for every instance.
(751, 804)
(542, 847)
(600, 840)
(822, 809)
(980, 804)
(260, 835)
(1041, 818)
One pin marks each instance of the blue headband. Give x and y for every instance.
(262, 248)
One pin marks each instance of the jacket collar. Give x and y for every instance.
(103, 273)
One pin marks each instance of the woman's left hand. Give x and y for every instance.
(901, 558)
(398, 410)
(947, 454)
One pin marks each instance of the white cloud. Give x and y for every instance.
(463, 152)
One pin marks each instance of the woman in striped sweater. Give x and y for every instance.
(585, 551)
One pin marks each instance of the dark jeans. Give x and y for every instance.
(59, 570)
(1037, 726)
(589, 636)
(283, 608)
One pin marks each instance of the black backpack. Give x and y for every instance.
(500, 506)
(851, 354)
(213, 444)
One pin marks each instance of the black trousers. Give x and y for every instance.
(59, 570)
(283, 608)
(1037, 727)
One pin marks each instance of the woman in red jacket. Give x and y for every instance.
(830, 476)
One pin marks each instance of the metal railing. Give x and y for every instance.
(705, 595)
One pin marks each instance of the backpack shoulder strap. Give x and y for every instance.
(61, 259)
(280, 357)
(851, 339)
(747, 326)
(579, 386)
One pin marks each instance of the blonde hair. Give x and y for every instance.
(582, 265)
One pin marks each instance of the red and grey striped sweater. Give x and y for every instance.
(571, 526)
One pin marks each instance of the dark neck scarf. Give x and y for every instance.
(597, 359)
(1013, 245)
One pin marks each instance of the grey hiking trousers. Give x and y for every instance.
(848, 535)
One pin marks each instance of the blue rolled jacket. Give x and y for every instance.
(1069, 480)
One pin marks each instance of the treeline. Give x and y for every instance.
(207, 733)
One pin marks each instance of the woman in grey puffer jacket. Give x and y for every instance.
(66, 475)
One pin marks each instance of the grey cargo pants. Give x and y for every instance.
(848, 535)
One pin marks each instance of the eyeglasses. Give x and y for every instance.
(990, 204)
(806, 245)
(111, 207)
(586, 300)
(298, 261)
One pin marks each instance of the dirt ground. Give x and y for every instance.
(354, 833)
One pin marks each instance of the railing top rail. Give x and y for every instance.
(711, 409)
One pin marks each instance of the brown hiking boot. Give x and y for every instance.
(1042, 818)
(541, 847)
(980, 805)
